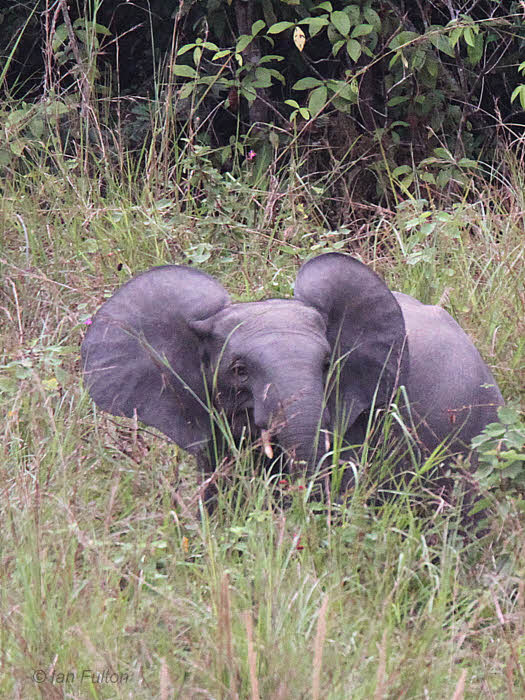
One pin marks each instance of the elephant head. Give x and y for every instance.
(171, 340)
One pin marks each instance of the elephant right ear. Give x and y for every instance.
(141, 357)
(365, 328)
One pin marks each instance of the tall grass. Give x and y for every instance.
(109, 563)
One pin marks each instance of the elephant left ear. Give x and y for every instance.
(365, 328)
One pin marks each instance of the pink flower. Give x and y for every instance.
(251, 155)
(88, 321)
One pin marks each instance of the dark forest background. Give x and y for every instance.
(384, 95)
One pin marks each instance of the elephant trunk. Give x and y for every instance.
(303, 433)
(304, 448)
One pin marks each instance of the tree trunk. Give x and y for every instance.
(245, 16)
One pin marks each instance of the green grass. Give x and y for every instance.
(109, 563)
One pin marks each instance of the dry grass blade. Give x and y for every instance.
(225, 641)
(252, 659)
(165, 684)
(320, 636)
(459, 692)
(381, 669)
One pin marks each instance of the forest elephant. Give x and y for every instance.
(288, 372)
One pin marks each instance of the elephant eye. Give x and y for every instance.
(239, 371)
(326, 365)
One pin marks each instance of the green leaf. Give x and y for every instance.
(341, 22)
(455, 36)
(337, 47)
(199, 253)
(362, 30)
(36, 127)
(263, 78)
(428, 177)
(183, 71)
(242, 42)
(354, 14)
(212, 79)
(185, 48)
(306, 83)
(436, 33)
(90, 245)
(399, 123)
(345, 106)
(270, 57)
(317, 100)
(443, 153)
(5, 157)
(186, 90)
(248, 92)
(15, 117)
(478, 506)
(397, 100)
(418, 59)
(292, 103)
(403, 170)
(508, 415)
(258, 26)
(519, 92)
(17, 146)
(315, 24)
(353, 48)
(403, 39)
(495, 430)
(468, 36)
(426, 229)
(372, 18)
(277, 75)
(515, 438)
(57, 108)
(221, 54)
(280, 27)
(432, 66)
(475, 52)
(343, 90)
(479, 440)
(395, 58)
(514, 469)
(83, 36)
(324, 6)
(59, 37)
(101, 29)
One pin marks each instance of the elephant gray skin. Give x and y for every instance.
(170, 341)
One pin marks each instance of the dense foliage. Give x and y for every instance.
(393, 98)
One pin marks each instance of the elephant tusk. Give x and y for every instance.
(326, 441)
(265, 438)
